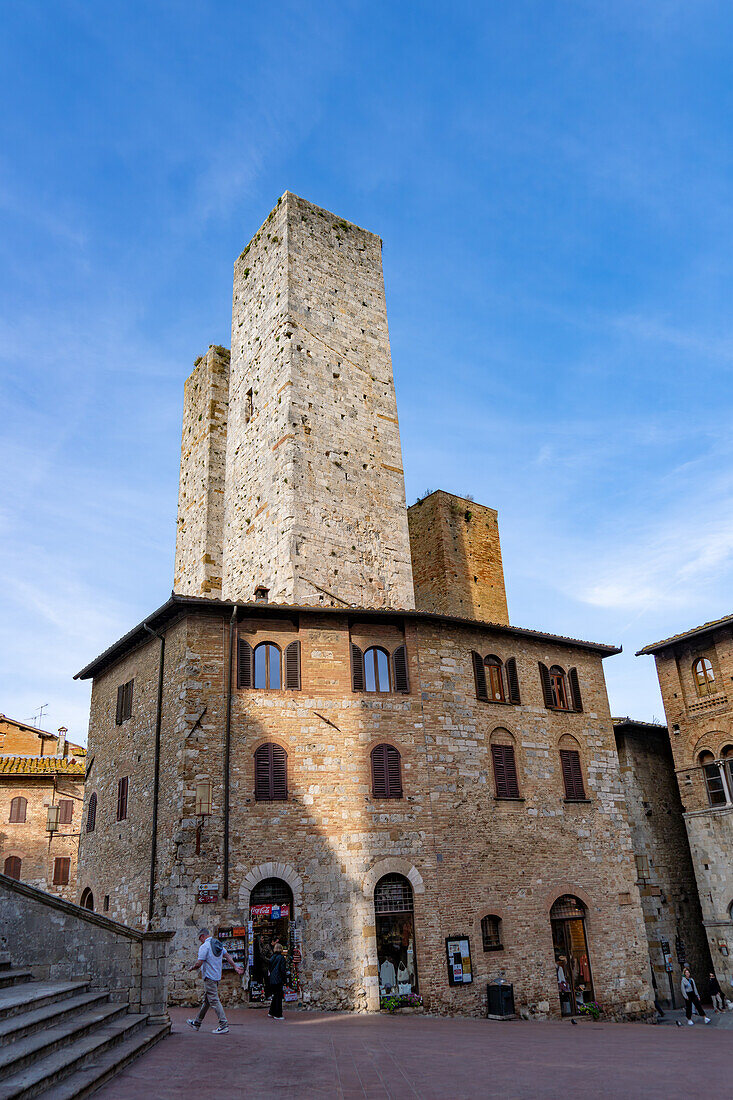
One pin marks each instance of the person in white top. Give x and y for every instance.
(211, 956)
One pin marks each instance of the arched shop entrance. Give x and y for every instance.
(271, 917)
(393, 909)
(574, 980)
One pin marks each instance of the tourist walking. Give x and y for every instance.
(211, 956)
(276, 967)
(716, 993)
(690, 993)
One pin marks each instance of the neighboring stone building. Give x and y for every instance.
(665, 875)
(410, 798)
(41, 795)
(694, 669)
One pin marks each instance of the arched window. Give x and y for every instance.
(267, 670)
(713, 779)
(495, 679)
(271, 773)
(386, 772)
(18, 809)
(12, 866)
(395, 928)
(704, 677)
(92, 812)
(87, 899)
(572, 771)
(505, 765)
(574, 978)
(559, 687)
(727, 756)
(376, 669)
(491, 933)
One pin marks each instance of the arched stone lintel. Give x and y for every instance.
(272, 870)
(393, 865)
(563, 888)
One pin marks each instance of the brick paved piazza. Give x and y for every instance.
(338, 1055)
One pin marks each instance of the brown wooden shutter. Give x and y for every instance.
(357, 668)
(379, 771)
(279, 773)
(120, 704)
(292, 667)
(399, 664)
(18, 808)
(512, 681)
(66, 811)
(122, 799)
(92, 813)
(505, 771)
(244, 663)
(394, 773)
(12, 867)
(61, 871)
(479, 675)
(575, 690)
(572, 774)
(127, 710)
(546, 685)
(271, 773)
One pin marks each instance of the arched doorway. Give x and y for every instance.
(574, 980)
(395, 924)
(271, 914)
(87, 899)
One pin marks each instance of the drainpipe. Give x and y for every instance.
(156, 773)
(227, 749)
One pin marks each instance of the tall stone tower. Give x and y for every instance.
(314, 497)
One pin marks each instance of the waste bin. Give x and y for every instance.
(500, 999)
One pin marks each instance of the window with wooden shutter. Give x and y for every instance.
(376, 669)
(491, 933)
(12, 867)
(267, 667)
(292, 667)
(124, 702)
(512, 680)
(495, 679)
(572, 775)
(386, 772)
(575, 696)
(244, 663)
(122, 799)
(546, 685)
(61, 871)
(66, 811)
(18, 810)
(271, 773)
(357, 668)
(399, 664)
(505, 771)
(92, 812)
(559, 688)
(479, 675)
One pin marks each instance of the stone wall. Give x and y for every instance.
(29, 840)
(199, 531)
(60, 941)
(466, 852)
(456, 558)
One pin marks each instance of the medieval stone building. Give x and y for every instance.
(331, 732)
(694, 669)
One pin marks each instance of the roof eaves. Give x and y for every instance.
(695, 632)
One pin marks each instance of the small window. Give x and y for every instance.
(248, 406)
(66, 811)
(262, 594)
(376, 670)
(713, 779)
(727, 755)
(495, 679)
(18, 810)
(87, 899)
(61, 867)
(105, 903)
(271, 773)
(203, 797)
(12, 866)
(702, 671)
(643, 873)
(491, 933)
(505, 771)
(386, 772)
(122, 799)
(572, 775)
(124, 702)
(559, 688)
(92, 812)
(267, 667)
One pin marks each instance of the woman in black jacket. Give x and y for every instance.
(276, 967)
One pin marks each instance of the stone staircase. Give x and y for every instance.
(61, 1039)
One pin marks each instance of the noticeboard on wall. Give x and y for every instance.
(458, 951)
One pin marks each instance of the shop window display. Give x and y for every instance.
(393, 908)
(574, 981)
(271, 922)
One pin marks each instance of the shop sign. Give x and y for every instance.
(458, 951)
(274, 912)
(208, 892)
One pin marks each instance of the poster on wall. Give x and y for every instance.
(458, 951)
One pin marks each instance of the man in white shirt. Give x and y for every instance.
(211, 956)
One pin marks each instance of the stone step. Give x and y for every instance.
(18, 998)
(13, 976)
(4, 960)
(55, 1067)
(49, 1015)
(83, 1082)
(16, 1056)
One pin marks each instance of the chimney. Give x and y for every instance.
(61, 748)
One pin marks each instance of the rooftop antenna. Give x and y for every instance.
(38, 716)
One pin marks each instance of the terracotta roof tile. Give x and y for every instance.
(727, 620)
(41, 765)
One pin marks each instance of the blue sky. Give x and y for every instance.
(552, 181)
